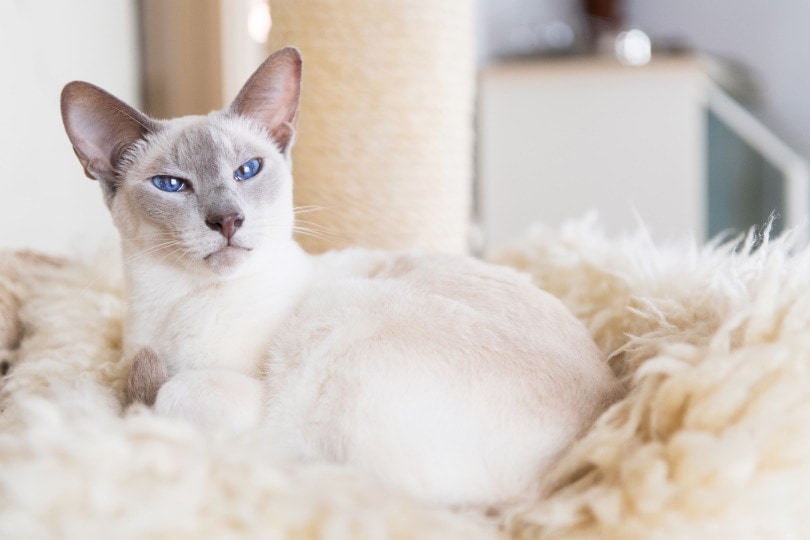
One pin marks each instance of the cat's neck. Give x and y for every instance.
(154, 287)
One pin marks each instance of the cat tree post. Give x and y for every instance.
(385, 132)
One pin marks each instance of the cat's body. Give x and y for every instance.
(453, 379)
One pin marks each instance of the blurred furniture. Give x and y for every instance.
(198, 53)
(182, 57)
(558, 138)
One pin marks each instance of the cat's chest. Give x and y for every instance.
(218, 327)
(227, 324)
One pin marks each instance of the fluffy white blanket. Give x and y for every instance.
(712, 441)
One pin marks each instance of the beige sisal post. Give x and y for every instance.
(385, 132)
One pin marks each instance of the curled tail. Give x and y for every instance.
(147, 375)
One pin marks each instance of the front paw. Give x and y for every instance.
(215, 400)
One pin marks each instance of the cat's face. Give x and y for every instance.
(209, 191)
(203, 193)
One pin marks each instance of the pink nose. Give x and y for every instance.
(227, 224)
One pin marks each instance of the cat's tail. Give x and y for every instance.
(147, 375)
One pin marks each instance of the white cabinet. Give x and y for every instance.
(558, 138)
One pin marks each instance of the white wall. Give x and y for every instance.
(46, 202)
(770, 38)
(558, 139)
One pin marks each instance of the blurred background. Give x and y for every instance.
(449, 125)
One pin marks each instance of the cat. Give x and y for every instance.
(454, 380)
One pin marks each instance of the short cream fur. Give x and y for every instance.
(713, 440)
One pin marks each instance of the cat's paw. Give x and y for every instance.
(215, 400)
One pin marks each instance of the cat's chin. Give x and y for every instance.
(227, 259)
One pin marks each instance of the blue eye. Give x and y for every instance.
(169, 183)
(248, 169)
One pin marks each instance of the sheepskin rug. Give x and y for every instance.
(711, 441)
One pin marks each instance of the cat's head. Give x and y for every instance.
(204, 193)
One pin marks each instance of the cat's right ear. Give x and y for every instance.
(271, 95)
(101, 128)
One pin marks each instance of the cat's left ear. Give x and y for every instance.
(271, 96)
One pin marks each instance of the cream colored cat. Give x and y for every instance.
(452, 379)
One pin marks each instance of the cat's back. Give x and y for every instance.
(459, 303)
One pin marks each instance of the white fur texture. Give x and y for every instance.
(713, 440)
(211, 398)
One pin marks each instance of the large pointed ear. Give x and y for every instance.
(101, 127)
(271, 96)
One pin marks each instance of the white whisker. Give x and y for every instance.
(310, 208)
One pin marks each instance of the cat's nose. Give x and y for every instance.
(226, 224)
